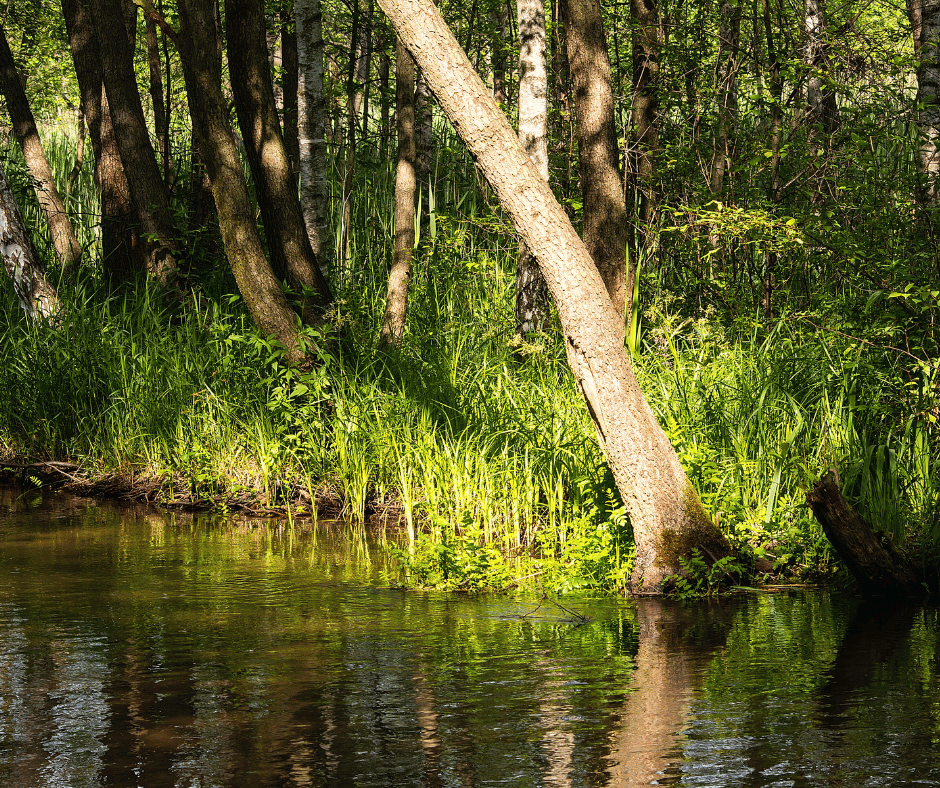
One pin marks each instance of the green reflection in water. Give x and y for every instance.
(142, 648)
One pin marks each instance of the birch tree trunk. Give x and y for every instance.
(667, 516)
(67, 247)
(210, 117)
(37, 297)
(606, 229)
(531, 292)
(311, 124)
(393, 326)
(925, 23)
(820, 98)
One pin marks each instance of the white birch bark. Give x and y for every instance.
(37, 297)
(531, 294)
(928, 94)
(311, 124)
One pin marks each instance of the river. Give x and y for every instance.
(146, 648)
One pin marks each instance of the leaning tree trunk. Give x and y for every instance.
(210, 117)
(291, 253)
(37, 297)
(140, 164)
(393, 326)
(877, 565)
(605, 215)
(925, 23)
(311, 123)
(667, 516)
(66, 244)
(531, 292)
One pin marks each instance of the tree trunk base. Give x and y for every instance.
(877, 565)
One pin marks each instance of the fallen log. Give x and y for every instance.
(878, 566)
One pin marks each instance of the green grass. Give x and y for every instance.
(479, 446)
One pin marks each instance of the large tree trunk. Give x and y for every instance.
(140, 164)
(531, 292)
(877, 565)
(393, 326)
(37, 297)
(667, 516)
(66, 244)
(925, 25)
(256, 281)
(291, 253)
(311, 123)
(606, 229)
(122, 250)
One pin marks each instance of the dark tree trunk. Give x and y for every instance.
(122, 250)
(160, 119)
(876, 564)
(290, 64)
(140, 164)
(210, 116)
(291, 253)
(605, 215)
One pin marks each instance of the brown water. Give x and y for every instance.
(145, 649)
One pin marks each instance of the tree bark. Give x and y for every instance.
(210, 117)
(122, 250)
(67, 247)
(876, 564)
(821, 106)
(289, 86)
(140, 164)
(667, 516)
(605, 215)
(291, 253)
(531, 291)
(393, 326)
(37, 297)
(311, 122)
(925, 24)
(647, 40)
(160, 117)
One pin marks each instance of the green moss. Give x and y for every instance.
(699, 532)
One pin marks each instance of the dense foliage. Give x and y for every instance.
(787, 323)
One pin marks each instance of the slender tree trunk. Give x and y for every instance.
(291, 253)
(311, 122)
(606, 230)
(385, 128)
(210, 116)
(156, 98)
(66, 244)
(80, 133)
(140, 165)
(726, 78)
(122, 250)
(349, 165)
(37, 297)
(498, 51)
(821, 106)
(393, 327)
(925, 24)
(531, 291)
(290, 84)
(667, 516)
(647, 40)
(776, 136)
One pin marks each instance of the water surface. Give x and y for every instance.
(140, 648)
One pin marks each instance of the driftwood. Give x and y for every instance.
(877, 564)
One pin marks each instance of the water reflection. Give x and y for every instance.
(139, 648)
